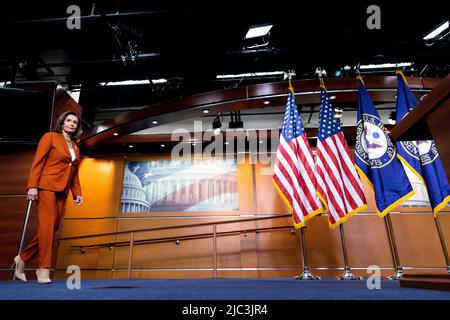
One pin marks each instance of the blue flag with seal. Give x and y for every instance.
(376, 157)
(421, 157)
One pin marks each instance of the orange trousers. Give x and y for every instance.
(50, 209)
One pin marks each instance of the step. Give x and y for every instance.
(426, 281)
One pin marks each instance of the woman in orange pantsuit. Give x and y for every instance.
(54, 171)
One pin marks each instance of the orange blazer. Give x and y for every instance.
(53, 168)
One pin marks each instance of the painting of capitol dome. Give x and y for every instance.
(180, 185)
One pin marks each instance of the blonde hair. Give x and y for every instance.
(63, 117)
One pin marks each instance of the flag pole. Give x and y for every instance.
(347, 275)
(398, 268)
(441, 238)
(306, 275)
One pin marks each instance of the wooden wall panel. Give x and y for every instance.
(280, 248)
(164, 274)
(324, 245)
(367, 242)
(192, 254)
(417, 240)
(245, 189)
(267, 197)
(15, 164)
(12, 217)
(92, 258)
(101, 182)
(229, 251)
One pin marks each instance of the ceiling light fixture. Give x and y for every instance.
(437, 31)
(132, 82)
(258, 31)
(385, 65)
(248, 75)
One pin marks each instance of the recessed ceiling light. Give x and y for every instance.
(205, 110)
(130, 146)
(115, 134)
(332, 97)
(155, 122)
(163, 145)
(266, 102)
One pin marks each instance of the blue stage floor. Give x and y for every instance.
(213, 289)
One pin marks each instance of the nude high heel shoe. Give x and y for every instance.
(43, 275)
(19, 269)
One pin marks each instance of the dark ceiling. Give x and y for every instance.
(190, 44)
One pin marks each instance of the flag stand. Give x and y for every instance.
(398, 268)
(347, 275)
(24, 230)
(441, 238)
(306, 275)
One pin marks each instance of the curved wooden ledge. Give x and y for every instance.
(381, 88)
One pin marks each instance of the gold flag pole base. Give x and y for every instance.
(398, 274)
(307, 275)
(348, 275)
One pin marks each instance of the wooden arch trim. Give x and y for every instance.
(381, 89)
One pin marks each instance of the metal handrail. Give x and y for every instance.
(214, 235)
(170, 239)
(176, 227)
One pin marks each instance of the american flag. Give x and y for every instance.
(338, 183)
(293, 174)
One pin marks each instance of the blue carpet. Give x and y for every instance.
(213, 289)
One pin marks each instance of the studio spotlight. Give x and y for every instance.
(258, 37)
(236, 121)
(217, 124)
(392, 117)
(338, 112)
